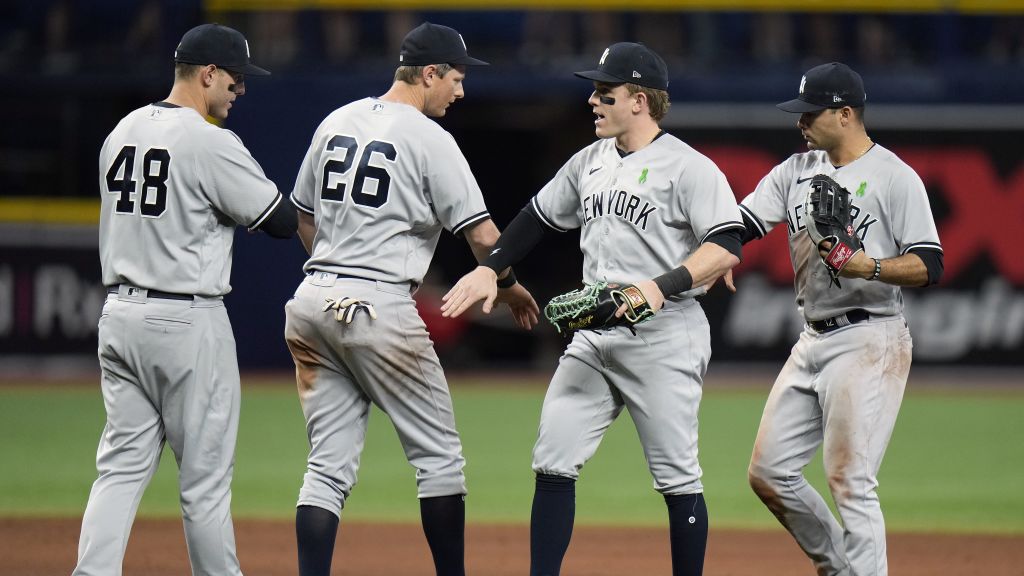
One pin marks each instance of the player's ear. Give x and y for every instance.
(428, 73)
(206, 75)
(845, 115)
(639, 101)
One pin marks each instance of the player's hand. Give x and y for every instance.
(480, 284)
(726, 278)
(860, 266)
(824, 248)
(651, 292)
(524, 308)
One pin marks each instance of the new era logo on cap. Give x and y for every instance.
(629, 62)
(831, 85)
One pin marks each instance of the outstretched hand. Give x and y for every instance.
(479, 284)
(524, 308)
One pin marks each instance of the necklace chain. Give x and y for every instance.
(865, 150)
(862, 152)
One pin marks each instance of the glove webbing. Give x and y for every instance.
(571, 304)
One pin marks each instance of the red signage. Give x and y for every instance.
(985, 217)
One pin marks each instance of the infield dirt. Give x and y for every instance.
(37, 547)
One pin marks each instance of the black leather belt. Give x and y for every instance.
(837, 322)
(350, 276)
(412, 285)
(155, 294)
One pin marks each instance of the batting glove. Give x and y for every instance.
(347, 307)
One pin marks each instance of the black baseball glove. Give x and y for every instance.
(828, 209)
(593, 307)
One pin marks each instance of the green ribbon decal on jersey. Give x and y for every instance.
(643, 176)
(860, 191)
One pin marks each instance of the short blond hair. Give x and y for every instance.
(657, 100)
(409, 74)
(183, 71)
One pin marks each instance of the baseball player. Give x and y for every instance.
(843, 382)
(654, 213)
(174, 187)
(378, 184)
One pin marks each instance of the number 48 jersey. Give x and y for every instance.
(173, 188)
(381, 180)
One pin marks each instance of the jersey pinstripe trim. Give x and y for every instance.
(302, 206)
(922, 246)
(761, 230)
(475, 218)
(266, 213)
(547, 221)
(722, 228)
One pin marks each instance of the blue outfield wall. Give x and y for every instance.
(49, 281)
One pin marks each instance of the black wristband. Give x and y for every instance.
(674, 281)
(508, 281)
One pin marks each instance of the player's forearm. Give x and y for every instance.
(520, 236)
(307, 230)
(481, 238)
(906, 270)
(709, 262)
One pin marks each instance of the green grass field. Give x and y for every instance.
(956, 462)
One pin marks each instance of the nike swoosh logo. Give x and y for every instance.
(802, 180)
(592, 170)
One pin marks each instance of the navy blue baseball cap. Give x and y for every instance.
(629, 62)
(435, 44)
(218, 45)
(831, 85)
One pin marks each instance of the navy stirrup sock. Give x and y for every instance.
(315, 531)
(688, 533)
(554, 509)
(444, 525)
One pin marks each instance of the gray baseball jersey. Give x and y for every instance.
(381, 180)
(173, 188)
(842, 386)
(641, 215)
(891, 215)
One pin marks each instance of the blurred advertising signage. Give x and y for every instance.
(50, 300)
(975, 314)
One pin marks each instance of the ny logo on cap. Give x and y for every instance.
(603, 56)
(803, 81)
(247, 55)
(463, 42)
